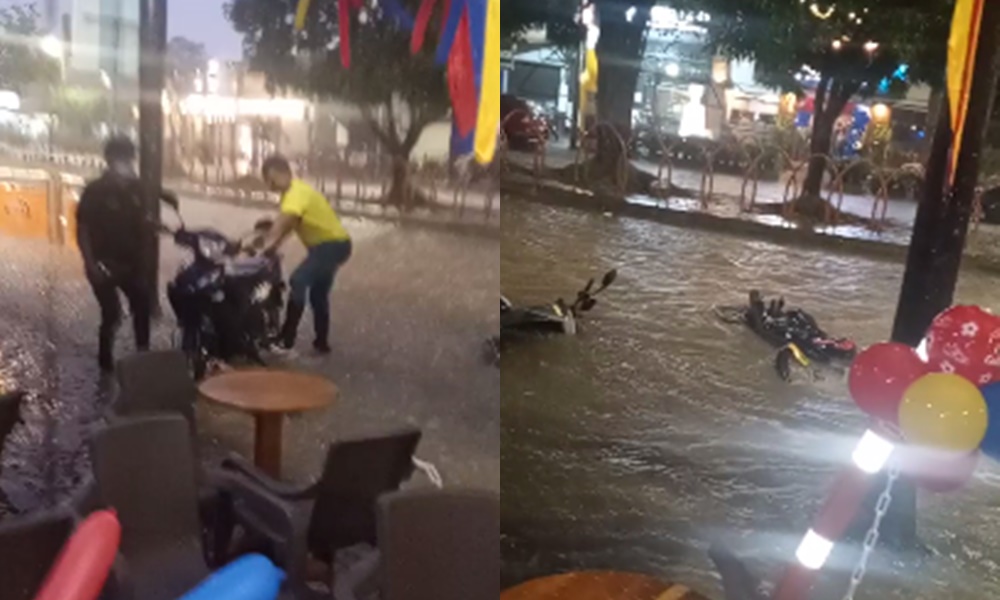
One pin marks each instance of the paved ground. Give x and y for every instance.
(411, 311)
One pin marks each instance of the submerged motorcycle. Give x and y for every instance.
(557, 318)
(227, 299)
(795, 334)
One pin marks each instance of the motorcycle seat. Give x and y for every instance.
(247, 267)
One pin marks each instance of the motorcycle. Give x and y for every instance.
(227, 299)
(558, 318)
(795, 334)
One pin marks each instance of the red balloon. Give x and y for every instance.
(85, 562)
(965, 340)
(936, 471)
(880, 376)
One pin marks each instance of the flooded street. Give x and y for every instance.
(410, 313)
(659, 429)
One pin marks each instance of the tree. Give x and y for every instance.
(22, 62)
(398, 94)
(185, 57)
(558, 17)
(852, 45)
(620, 51)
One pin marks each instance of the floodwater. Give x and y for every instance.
(659, 429)
(410, 313)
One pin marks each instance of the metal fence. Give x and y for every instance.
(752, 162)
(464, 194)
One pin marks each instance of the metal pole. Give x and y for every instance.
(939, 235)
(152, 70)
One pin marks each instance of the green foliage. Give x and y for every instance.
(185, 56)
(558, 17)
(385, 78)
(22, 62)
(783, 35)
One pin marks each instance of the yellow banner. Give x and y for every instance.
(588, 85)
(301, 13)
(488, 124)
(962, 47)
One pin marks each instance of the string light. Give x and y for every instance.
(819, 13)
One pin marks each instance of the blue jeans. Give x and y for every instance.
(314, 279)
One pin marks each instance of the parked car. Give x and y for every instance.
(524, 124)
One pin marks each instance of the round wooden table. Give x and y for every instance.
(599, 586)
(269, 395)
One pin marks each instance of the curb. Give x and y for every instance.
(555, 195)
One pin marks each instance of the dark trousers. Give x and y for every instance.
(313, 281)
(106, 291)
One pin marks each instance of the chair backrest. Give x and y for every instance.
(156, 382)
(439, 545)
(356, 474)
(10, 413)
(29, 547)
(145, 470)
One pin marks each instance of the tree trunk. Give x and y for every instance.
(401, 193)
(831, 98)
(619, 54)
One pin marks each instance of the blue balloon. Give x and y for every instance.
(252, 577)
(991, 443)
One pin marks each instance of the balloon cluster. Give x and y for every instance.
(944, 399)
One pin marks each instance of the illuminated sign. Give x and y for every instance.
(664, 17)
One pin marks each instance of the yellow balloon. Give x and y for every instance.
(944, 412)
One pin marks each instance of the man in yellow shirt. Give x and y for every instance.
(308, 213)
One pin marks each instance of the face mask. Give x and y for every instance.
(123, 169)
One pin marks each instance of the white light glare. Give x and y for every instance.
(922, 351)
(52, 46)
(872, 452)
(630, 14)
(814, 551)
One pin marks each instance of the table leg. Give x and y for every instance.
(268, 445)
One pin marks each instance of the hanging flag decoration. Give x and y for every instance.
(591, 67)
(301, 13)
(962, 47)
(394, 10)
(469, 48)
(489, 98)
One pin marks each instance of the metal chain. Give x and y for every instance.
(871, 538)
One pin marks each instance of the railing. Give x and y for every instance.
(747, 159)
(466, 193)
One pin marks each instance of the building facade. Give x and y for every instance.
(104, 38)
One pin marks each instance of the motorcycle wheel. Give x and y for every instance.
(197, 356)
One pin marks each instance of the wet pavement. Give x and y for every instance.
(410, 313)
(659, 428)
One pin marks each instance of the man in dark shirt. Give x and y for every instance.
(113, 226)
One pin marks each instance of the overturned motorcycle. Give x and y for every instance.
(793, 332)
(557, 318)
(228, 299)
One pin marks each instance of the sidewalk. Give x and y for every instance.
(406, 351)
(728, 187)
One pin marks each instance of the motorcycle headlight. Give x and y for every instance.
(211, 249)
